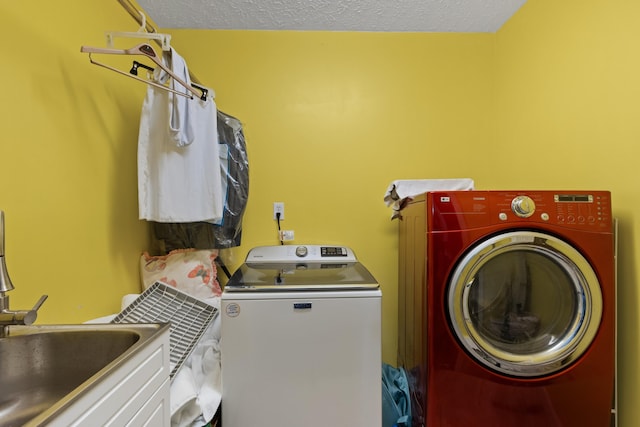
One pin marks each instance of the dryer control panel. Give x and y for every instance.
(585, 210)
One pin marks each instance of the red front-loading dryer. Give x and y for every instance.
(507, 316)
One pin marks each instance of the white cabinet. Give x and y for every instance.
(135, 394)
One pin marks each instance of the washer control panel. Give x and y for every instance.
(331, 251)
(308, 253)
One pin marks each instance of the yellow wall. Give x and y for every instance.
(67, 161)
(330, 119)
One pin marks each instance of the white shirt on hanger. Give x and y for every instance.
(179, 177)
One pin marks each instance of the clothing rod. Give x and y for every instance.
(131, 9)
(135, 14)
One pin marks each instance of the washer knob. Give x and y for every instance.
(523, 206)
(301, 251)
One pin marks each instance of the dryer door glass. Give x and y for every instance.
(524, 303)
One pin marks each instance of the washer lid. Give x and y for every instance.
(301, 276)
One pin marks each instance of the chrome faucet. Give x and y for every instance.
(7, 316)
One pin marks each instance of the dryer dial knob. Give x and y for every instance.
(301, 251)
(523, 206)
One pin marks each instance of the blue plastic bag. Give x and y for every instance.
(396, 401)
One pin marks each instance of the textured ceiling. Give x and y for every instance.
(333, 15)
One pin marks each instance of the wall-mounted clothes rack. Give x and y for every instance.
(147, 51)
(164, 40)
(147, 32)
(150, 29)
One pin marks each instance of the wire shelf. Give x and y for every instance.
(188, 318)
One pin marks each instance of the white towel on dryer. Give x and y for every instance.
(179, 176)
(401, 190)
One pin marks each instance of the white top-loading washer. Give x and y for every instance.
(301, 340)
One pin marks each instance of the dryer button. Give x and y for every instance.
(502, 216)
(544, 216)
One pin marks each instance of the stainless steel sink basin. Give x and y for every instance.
(43, 369)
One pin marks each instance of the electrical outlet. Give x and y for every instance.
(278, 208)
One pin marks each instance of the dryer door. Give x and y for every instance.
(524, 303)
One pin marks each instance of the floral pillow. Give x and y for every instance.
(188, 270)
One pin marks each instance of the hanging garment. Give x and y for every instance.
(235, 176)
(236, 173)
(181, 122)
(178, 154)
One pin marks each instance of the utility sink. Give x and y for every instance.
(46, 370)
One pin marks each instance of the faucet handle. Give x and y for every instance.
(41, 301)
(31, 315)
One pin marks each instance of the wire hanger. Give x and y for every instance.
(164, 40)
(147, 51)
